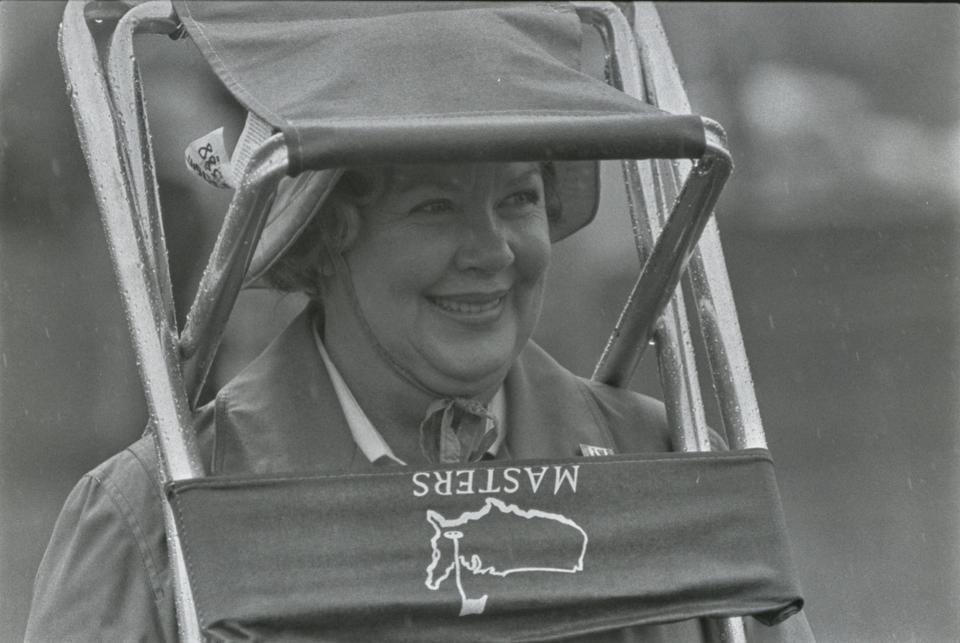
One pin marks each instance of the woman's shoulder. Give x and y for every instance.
(107, 555)
(133, 471)
(636, 422)
(127, 487)
(628, 409)
(627, 403)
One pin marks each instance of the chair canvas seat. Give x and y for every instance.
(506, 550)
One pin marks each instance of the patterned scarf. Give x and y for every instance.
(456, 430)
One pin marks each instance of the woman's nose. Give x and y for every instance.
(485, 246)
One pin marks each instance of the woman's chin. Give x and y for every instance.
(469, 373)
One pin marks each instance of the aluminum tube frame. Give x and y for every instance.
(679, 370)
(207, 317)
(661, 272)
(722, 630)
(710, 282)
(143, 305)
(707, 276)
(676, 357)
(226, 268)
(153, 340)
(674, 349)
(123, 77)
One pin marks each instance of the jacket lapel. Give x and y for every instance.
(550, 412)
(281, 413)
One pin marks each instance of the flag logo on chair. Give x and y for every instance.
(463, 544)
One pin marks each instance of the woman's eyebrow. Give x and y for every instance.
(523, 175)
(406, 183)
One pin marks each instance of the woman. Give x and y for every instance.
(425, 283)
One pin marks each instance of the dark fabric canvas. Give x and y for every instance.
(381, 82)
(508, 551)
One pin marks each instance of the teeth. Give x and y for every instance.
(465, 308)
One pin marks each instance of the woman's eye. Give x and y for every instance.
(523, 198)
(433, 206)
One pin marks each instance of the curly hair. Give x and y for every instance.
(332, 229)
(336, 223)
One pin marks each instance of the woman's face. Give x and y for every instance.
(449, 267)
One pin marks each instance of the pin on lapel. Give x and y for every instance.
(591, 451)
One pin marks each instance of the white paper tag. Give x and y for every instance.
(207, 157)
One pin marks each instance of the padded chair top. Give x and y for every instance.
(432, 82)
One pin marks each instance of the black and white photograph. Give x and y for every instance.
(479, 321)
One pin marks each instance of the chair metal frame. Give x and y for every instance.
(173, 364)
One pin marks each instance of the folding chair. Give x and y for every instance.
(673, 159)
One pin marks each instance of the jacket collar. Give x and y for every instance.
(281, 413)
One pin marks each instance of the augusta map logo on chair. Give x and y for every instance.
(463, 543)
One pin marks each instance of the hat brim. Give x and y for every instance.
(579, 185)
(297, 201)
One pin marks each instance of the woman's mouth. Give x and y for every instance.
(478, 306)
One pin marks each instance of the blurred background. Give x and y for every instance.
(840, 228)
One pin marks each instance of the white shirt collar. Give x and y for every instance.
(368, 438)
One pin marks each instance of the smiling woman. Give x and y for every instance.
(425, 285)
(428, 282)
(445, 277)
(437, 290)
(425, 282)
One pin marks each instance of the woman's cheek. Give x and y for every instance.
(533, 252)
